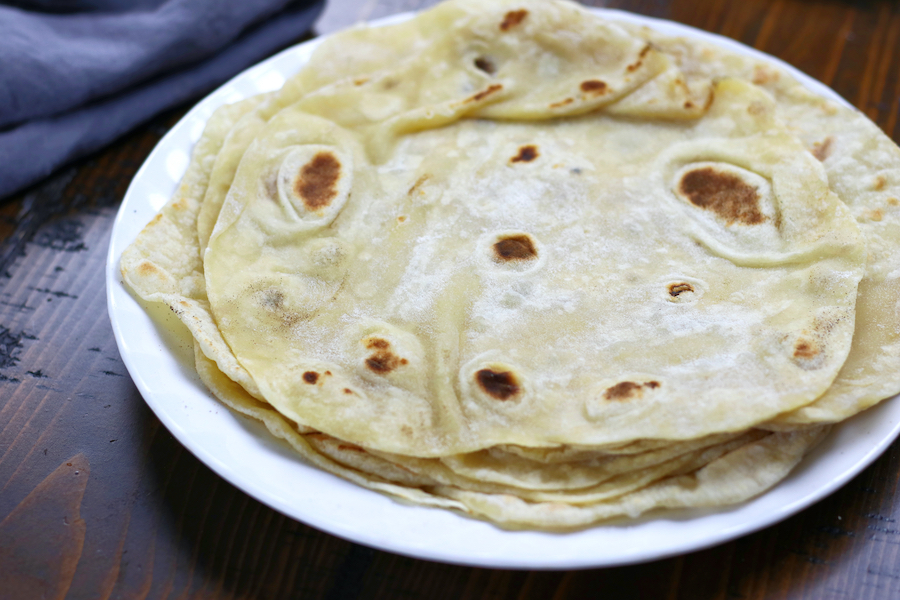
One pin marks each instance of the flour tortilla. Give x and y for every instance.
(164, 263)
(724, 474)
(317, 301)
(863, 168)
(730, 479)
(666, 86)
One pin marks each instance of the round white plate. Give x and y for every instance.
(158, 353)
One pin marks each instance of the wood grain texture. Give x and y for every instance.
(145, 519)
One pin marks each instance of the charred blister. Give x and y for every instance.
(311, 377)
(515, 248)
(501, 385)
(383, 359)
(387, 355)
(723, 193)
(631, 68)
(594, 87)
(562, 103)
(513, 18)
(485, 65)
(676, 289)
(683, 290)
(488, 91)
(806, 349)
(808, 352)
(629, 390)
(316, 183)
(612, 398)
(526, 154)
(489, 383)
(515, 251)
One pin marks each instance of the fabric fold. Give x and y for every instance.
(124, 68)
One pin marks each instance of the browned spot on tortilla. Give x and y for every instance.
(526, 154)
(361, 81)
(382, 360)
(562, 103)
(709, 99)
(328, 372)
(515, 248)
(180, 204)
(594, 86)
(640, 61)
(406, 430)
(875, 215)
(147, 268)
(484, 64)
(401, 219)
(372, 343)
(485, 93)
(725, 194)
(317, 182)
(893, 201)
(310, 377)
(689, 104)
(822, 150)
(348, 391)
(502, 385)
(418, 183)
(623, 391)
(806, 349)
(156, 219)
(679, 288)
(879, 184)
(513, 18)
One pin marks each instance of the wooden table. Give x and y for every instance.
(97, 500)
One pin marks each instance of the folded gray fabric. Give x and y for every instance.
(71, 83)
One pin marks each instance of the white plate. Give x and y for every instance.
(157, 352)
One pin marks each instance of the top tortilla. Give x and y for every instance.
(383, 294)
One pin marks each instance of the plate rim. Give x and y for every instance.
(117, 292)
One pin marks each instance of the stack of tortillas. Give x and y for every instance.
(512, 259)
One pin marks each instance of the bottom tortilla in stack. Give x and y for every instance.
(546, 297)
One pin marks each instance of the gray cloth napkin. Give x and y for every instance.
(76, 74)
